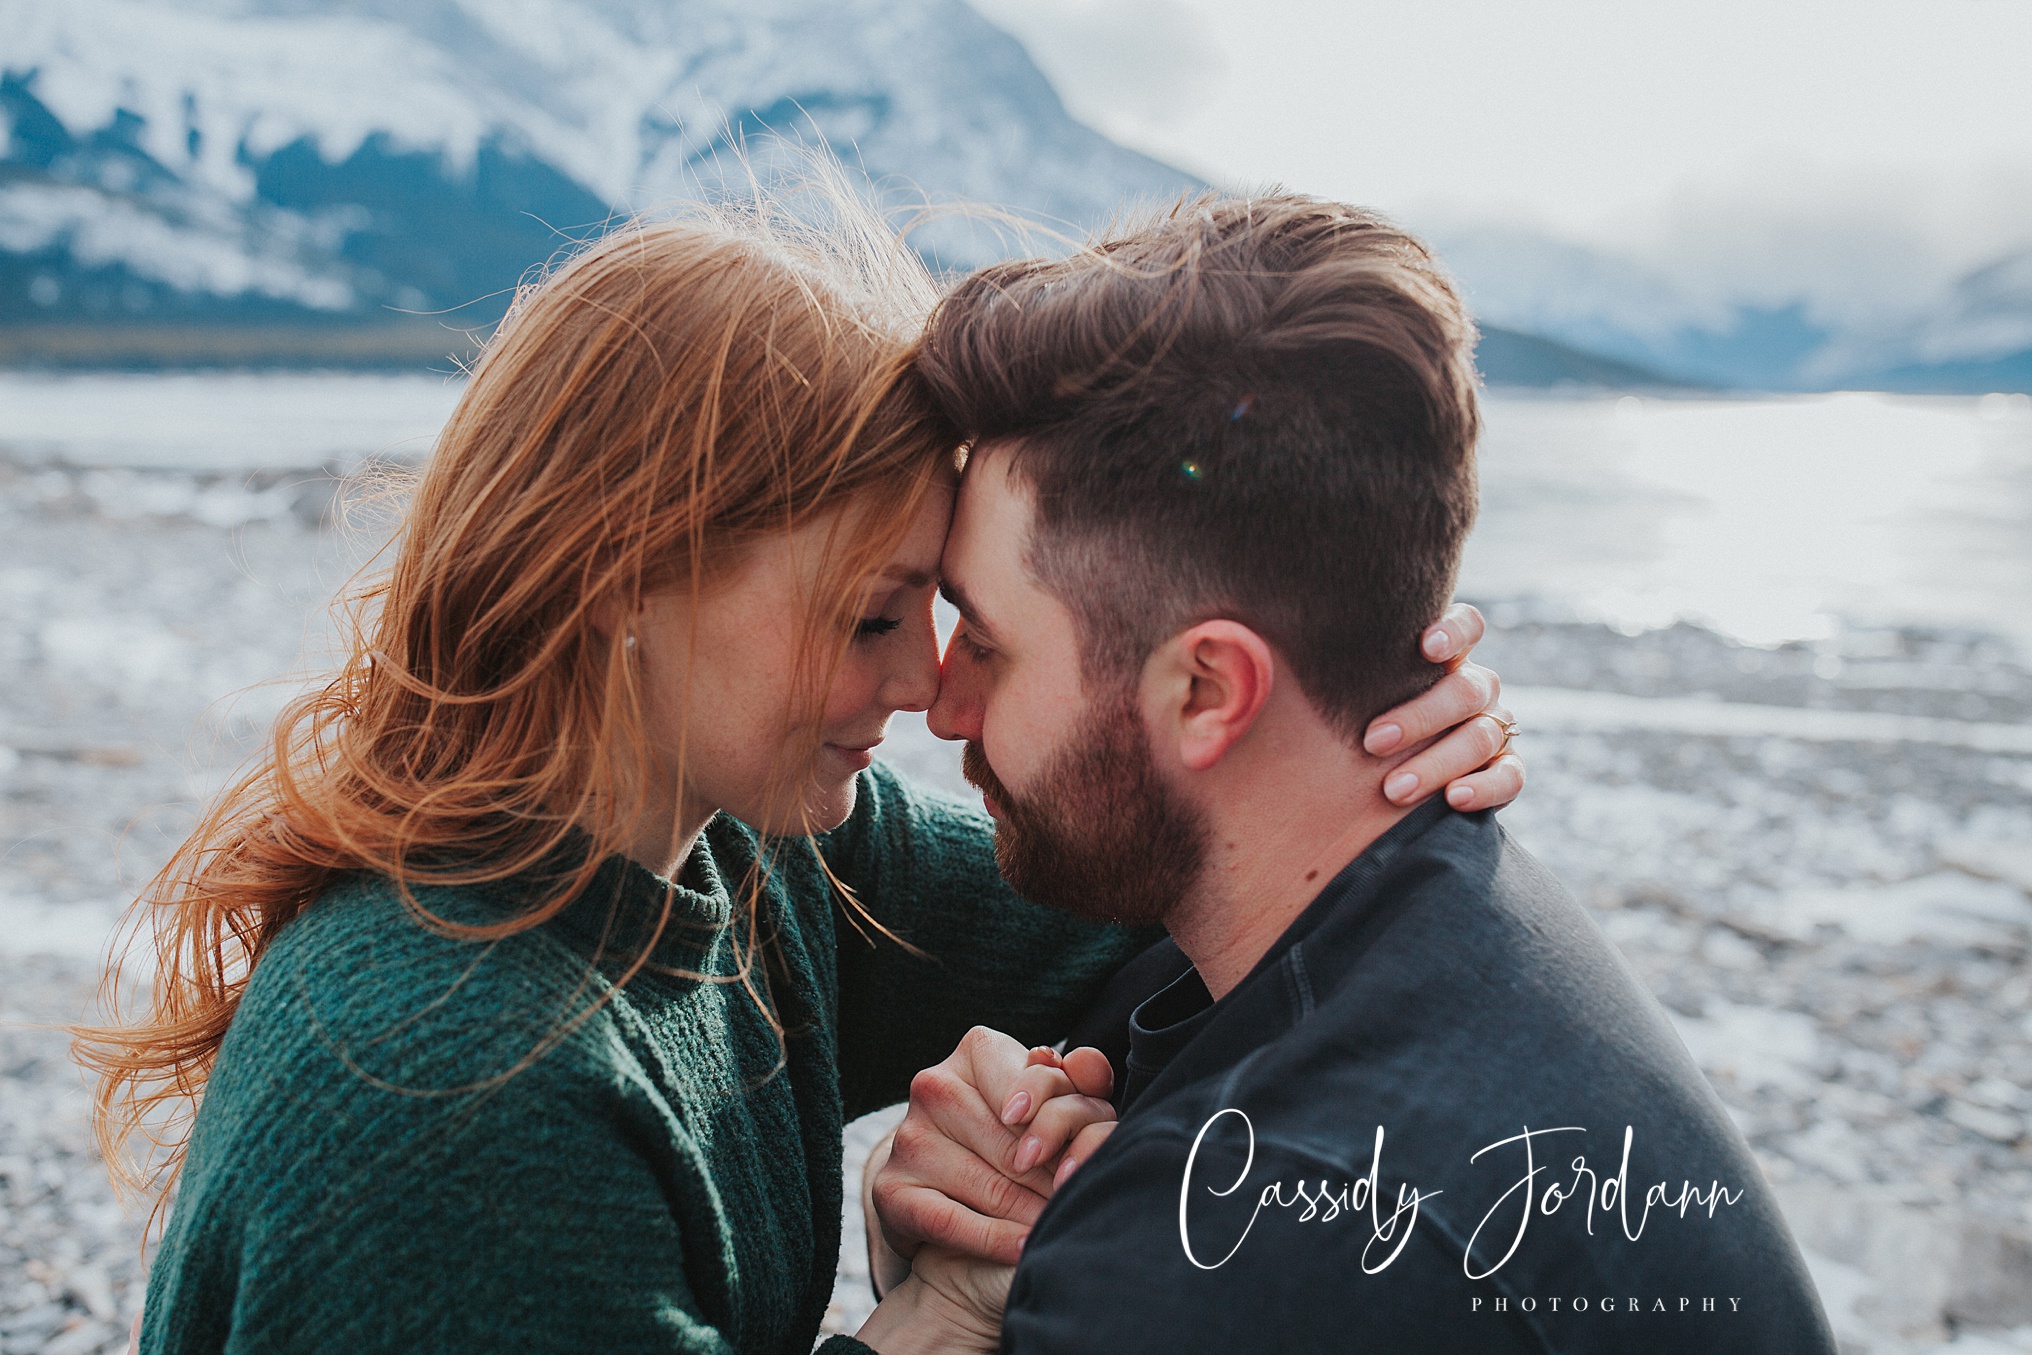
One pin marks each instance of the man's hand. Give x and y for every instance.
(950, 1303)
(990, 1134)
(1473, 761)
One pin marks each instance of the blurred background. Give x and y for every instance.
(1755, 284)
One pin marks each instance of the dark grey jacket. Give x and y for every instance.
(1445, 990)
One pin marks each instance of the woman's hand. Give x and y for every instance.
(1473, 761)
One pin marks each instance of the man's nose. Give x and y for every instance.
(956, 714)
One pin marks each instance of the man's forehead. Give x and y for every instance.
(992, 514)
(984, 565)
(989, 464)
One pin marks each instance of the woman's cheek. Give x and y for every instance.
(855, 685)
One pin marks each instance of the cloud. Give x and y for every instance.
(1875, 270)
(1114, 60)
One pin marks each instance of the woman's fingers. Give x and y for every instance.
(1462, 693)
(1054, 1127)
(1491, 788)
(1473, 759)
(1083, 1146)
(1022, 1094)
(998, 1071)
(1084, 1072)
(1453, 635)
(935, 1186)
(1053, 1115)
(950, 1100)
(1473, 745)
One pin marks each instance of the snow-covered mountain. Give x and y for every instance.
(193, 172)
(1781, 311)
(283, 159)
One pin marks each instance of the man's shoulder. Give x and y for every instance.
(1387, 1106)
(1474, 866)
(1467, 952)
(1485, 1004)
(1457, 955)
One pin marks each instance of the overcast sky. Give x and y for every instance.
(1601, 120)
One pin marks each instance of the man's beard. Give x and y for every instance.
(1100, 834)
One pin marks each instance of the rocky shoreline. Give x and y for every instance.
(1840, 927)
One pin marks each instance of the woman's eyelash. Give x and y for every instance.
(878, 625)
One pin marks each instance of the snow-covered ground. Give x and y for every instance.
(1819, 854)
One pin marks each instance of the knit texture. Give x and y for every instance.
(415, 1142)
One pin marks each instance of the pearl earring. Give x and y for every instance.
(628, 642)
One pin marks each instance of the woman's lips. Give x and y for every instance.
(856, 756)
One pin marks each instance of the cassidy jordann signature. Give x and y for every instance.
(1603, 1193)
(1352, 1199)
(1533, 1193)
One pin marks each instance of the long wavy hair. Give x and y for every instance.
(676, 392)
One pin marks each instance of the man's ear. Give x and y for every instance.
(1210, 682)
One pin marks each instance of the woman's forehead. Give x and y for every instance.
(916, 557)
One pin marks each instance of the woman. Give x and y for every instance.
(510, 979)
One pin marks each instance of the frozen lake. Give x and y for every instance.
(1767, 519)
(228, 421)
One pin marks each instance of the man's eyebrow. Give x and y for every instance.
(952, 593)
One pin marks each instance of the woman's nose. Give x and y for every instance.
(914, 686)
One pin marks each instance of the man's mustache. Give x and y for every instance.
(974, 767)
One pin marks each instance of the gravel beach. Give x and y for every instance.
(1837, 911)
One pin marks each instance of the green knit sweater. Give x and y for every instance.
(418, 1143)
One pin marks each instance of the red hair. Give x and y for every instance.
(669, 396)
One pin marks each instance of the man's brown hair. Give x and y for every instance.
(1254, 408)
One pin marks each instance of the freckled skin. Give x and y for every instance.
(720, 687)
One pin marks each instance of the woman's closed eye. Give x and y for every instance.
(872, 626)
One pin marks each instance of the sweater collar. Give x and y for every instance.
(614, 918)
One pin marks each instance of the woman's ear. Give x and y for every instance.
(1211, 682)
(614, 616)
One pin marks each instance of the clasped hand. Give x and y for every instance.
(951, 1195)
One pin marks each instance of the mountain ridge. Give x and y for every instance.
(187, 166)
(267, 156)
(1832, 326)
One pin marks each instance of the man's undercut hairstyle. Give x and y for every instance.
(1261, 409)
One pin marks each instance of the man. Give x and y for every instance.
(1393, 1090)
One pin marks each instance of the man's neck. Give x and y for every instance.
(1275, 843)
